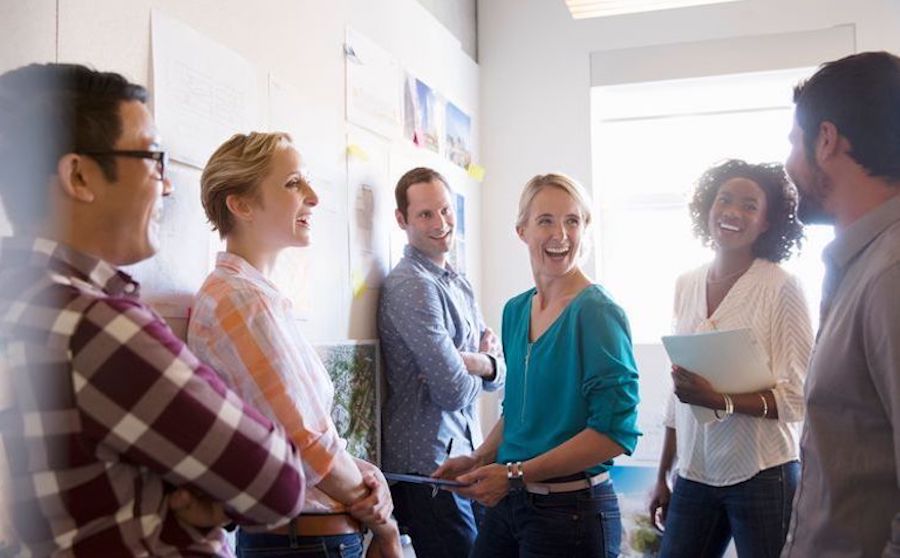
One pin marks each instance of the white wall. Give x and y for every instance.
(535, 91)
(298, 41)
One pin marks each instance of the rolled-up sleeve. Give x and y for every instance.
(610, 374)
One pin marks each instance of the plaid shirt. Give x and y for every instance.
(244, 327)
(110, 411)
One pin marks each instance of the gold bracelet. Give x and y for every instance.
(765, 406)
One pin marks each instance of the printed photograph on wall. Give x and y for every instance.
(458, 138)
(356, 374)
(458, 253)
(427, 115)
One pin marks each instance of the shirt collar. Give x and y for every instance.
(65, 260)
(852, 240)
(245, 269)
(415, 254)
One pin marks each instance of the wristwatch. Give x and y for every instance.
(516, 475)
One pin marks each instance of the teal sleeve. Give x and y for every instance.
(610, 383)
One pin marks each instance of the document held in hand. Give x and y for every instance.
(730, 360)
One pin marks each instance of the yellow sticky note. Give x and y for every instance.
(476, 171)
(358, 283)
(357, 152)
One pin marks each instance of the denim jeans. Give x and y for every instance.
(702, 519)
(585, 523)
(443, 526)
(267, 545)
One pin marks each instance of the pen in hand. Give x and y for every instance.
(434, 489)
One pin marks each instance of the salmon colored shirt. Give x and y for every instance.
(245, 328)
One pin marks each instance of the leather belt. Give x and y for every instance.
(570, 486)
(320, 525)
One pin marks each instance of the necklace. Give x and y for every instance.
(725, 278)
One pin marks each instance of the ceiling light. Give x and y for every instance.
(582, 9)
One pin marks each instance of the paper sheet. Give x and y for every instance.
(730, 360)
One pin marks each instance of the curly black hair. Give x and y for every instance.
(785, 232)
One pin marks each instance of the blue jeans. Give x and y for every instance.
(441, 527)
(267, 545)
(702, 518)
(585, 523)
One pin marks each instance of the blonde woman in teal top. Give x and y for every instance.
(571, 398)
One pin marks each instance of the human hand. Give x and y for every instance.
(488, 484)
(694, 389)
(197, 510)
(376, 507)
(385, 542)
(659, 504)
(453, 467)
(477, 364)
(490, 343)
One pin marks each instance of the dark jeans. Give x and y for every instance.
(585, 523)
(267, 545)
(441, 527)
(702, 518)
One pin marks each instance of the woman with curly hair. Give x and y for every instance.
(737, 475)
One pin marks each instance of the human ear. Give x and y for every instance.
(401, 221)
(239, 207)
(73, 178)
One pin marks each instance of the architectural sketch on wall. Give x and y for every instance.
(203, 92)
(355, 371)
(187, 248)
(370, 209)
(458, 136)
(373, 86)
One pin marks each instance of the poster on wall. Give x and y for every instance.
(458, 136)
(203, 92)
(356, 375)
(428, 117)
(187, 248)
(370, 209)
(373, 86)
(307, 275)
(458, 253)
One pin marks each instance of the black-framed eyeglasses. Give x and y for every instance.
(161, 157)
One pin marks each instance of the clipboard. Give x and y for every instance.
(419, 479)
(731, 361)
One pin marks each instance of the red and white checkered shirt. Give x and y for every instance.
(110, 411)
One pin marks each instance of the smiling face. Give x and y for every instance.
(429, 221)
(282, 214)
(809, 180)
(553, 232)
(738, 215)
(132, 204)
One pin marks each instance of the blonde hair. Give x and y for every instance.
(553, 180)
(236, 168)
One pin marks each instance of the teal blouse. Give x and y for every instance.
(579, 374)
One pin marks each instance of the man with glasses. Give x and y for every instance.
(113, 425)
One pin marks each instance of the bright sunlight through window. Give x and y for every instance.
(650, 142)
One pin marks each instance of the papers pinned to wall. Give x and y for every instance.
(203, 92)
(373, 86)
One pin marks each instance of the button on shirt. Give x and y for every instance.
(427, 315)
(110, 411)
(848, 499)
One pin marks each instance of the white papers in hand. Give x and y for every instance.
(730, 360)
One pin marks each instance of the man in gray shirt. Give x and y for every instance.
(438, 357)
(846, 163)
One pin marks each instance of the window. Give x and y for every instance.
(651, 141)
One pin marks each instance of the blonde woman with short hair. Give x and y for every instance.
(255, 194)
